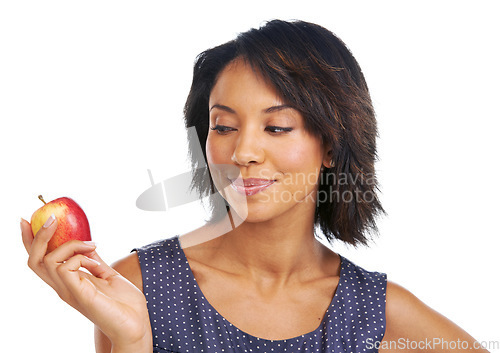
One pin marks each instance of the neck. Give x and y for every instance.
(272, 254)
(280, 250)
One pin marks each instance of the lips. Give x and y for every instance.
(251, 186)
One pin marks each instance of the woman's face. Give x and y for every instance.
(260, 156)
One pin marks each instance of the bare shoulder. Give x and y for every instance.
(409, 321)
(130, 268)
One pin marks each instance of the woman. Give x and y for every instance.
(284, 119)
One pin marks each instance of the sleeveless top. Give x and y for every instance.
(182, 319)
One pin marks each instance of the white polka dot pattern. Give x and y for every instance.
(182, 320)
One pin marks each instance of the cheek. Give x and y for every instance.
(301, 157)
(216, 152)
(219, 162)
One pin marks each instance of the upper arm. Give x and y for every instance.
(411, 322)
(129, 268)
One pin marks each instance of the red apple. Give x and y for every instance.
(72, 222)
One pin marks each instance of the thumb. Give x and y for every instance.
(42, 237)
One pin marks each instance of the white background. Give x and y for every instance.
(91, 96)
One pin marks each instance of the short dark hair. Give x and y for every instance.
(315, 73)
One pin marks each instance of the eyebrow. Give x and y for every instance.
(223, 107)
(277, 108)
(274, 108)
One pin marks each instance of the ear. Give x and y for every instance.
(328, 157)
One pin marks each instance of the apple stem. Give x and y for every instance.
(41, 199)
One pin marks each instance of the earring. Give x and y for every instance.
(332, 163)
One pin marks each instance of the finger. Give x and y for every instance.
(68, 250)
(56, 257)
(39, 247)
(99, 284)
(34, 264)
(103, 271)
(26, 234)
(70, 268)
(73, 280)
(41, 239)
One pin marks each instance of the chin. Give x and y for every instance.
(257, 213)
(265, 207)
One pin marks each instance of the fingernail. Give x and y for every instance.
(21, 223)
(49, 221)
(89, 243)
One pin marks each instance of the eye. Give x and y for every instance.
(278, 129)
(222, 129)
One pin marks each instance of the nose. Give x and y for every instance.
(248, 150)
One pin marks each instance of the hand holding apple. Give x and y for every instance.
(115, 305)
(72, 221)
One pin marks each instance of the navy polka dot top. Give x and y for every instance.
(182, 320)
